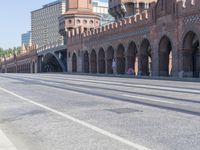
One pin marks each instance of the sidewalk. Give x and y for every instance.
(5, 144)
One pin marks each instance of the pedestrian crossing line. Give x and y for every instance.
(146, 98)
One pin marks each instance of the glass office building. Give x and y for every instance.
(26, 38)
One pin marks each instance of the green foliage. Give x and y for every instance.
(1, 52)
(10, 52)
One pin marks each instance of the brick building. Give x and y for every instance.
(159, 39)
(154, 38)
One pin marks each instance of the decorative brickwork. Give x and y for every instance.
(166, 27)
(158, 39)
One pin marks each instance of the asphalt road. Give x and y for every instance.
(73, 112)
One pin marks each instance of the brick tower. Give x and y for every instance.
(125, 8)
(79, 14)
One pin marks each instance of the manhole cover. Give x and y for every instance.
(123, 110)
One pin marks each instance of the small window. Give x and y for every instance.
(91, 21)
(78, 21)
(84, 21)
(70, 21)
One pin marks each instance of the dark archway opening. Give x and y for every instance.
(131, 56)
(146, 58)
(93, 62)
(51, 64)
(101, 59)
(110, 57)
(165, 57)
(191, 55)
(120, 59)
(33, 67)
(86, 62)
(74, 63)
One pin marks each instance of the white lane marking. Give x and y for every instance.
(127, 84)
(126, 95)
(5, 143)
(139, 85)
(85, 124)
(133, 85)
(145, 98)
(81, 88)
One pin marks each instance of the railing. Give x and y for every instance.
(49, 46)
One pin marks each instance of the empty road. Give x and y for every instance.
(74, 112)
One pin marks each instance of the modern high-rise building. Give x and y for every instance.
(45, 24)
(101, 8)
(26, 38)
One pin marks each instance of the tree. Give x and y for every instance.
(18, 49)
(1, 52)
(10, 52)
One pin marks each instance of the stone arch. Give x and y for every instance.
(165, 56)
(86, 67)
(51, 64)
(74, 62)
(93, 61)
(110, 57)
(101, 60)
(191, 55)
(121, 59)
(145, 58)
(132, 56)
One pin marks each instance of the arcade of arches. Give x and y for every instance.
(74, 63)
(27, 67)
(140, 58)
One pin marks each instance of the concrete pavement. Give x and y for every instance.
(82, 112)
(5, 143)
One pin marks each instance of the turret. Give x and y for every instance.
(120, 9)
(79, 14)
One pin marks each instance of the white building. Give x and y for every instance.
(45, 24)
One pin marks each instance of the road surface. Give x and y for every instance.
(74, 112)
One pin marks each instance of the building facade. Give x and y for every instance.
(155, 39)
(26, 62)
(45, 24)
(101, 8)
(161, 39)
(126, 8)
(26, 38)
(79, 15)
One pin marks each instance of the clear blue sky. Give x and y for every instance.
(15, 19)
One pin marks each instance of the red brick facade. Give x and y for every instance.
(26, 62)
(160, 41)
